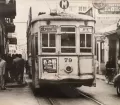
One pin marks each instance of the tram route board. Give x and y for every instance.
(49, 28)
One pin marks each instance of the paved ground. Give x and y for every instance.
(17, 95)
(22, 94)
(101, 77)
(103, 92)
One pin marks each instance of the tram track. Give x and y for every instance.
(46, 101)
(51, 101)
(91, 98)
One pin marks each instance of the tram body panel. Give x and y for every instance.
(57, 74)
(70, 63)
(86, 65)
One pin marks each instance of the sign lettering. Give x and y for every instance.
(111, 8)
(51, 28)
(64, 4)
(86, 29)
(68, 59)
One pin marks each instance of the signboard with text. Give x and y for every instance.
(49, 28)
(64, 4)
(86, 29)
(111, 8)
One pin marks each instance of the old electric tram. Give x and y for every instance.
(61, 49)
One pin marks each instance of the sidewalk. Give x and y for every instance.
(101, 77)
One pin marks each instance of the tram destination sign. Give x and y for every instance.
(48, 28)
(111, 8)
(86, 29)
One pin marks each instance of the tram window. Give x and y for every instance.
(68, 40)
(85, 43)
(36, 45)
(52, 40)
(67, 29)
(44, 40)
(88, 40)
(82, 40)
(51, 50)
(85, 50)
(48, 43)
(66, 50)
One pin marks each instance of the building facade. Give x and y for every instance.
(109, 46)
(7, 14)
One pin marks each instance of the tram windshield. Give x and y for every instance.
(68, 39)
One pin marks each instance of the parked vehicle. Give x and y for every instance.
(110, 74)
(117, 83)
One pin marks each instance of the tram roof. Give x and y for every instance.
(63, 16)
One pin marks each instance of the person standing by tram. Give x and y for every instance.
(110, 69)
(2, 72)
(19, 67)
(22, 64)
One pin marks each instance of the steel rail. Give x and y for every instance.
(51, 101)
(93, 99)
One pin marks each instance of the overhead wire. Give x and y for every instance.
(48, 5)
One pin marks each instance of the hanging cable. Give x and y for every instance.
(47, 5)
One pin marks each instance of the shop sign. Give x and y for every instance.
(111, 8)
(99, 4)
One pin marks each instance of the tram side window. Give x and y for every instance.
(85, 43)
(48, 43)
(36, 44)
(52, 40)
(88, 40)
(82, 40)
(68, 40)
(44, 40)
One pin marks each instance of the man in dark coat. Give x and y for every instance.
(19, 67)
(2, 72)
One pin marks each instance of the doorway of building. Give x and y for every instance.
(112, 50)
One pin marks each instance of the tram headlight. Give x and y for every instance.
(68, 69)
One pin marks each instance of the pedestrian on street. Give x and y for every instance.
(22, 64)
(9, 68)
(19, 68)
(2, 72)
(27, 67)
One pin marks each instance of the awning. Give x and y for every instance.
(109, 30)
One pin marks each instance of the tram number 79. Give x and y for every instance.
(68, 59)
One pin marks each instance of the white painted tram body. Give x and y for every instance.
(61, 49)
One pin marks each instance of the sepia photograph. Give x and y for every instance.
(59, 52)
